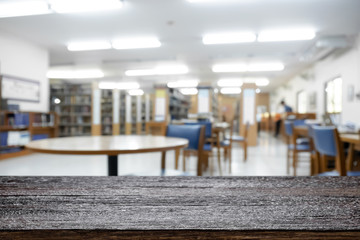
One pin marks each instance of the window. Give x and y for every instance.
(333, 96)
(301, 100)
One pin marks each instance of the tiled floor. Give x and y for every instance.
(266, 159)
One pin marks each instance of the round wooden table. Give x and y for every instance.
(110, 146)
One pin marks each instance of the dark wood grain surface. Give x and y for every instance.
(178, 206)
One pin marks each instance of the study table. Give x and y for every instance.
(110, 146)
(179, 207)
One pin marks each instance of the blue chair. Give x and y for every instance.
(295, 145)
(195, 135)
(208, 145)
(327, 143)
(315, 167)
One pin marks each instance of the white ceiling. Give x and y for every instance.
(179, 25)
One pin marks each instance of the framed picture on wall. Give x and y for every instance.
(312, 101)
(19, 89)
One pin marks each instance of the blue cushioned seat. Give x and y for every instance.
(300, 147)
(336, 173)
(225, 143)
(207, 147)
(302, 141)
(236, 138)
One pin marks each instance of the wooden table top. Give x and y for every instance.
(180, 207)
(108, 145)
(350, 138)
(221, 125)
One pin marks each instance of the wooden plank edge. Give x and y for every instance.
(176, 234)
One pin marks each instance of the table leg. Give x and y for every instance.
(200, 163)
(163, 158)
(112, 165)
(177, 154)
(350, 157)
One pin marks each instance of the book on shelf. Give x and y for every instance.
(18, 138)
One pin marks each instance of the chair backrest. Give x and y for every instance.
(324, 140)
(310, 129)
(288, 128)
(193, 133)
(327, 142)
(208, 127)
(299, 122)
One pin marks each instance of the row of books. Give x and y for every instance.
(14, 138)
(18, 120)
(43, 120)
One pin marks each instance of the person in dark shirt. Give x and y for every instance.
(286, 108)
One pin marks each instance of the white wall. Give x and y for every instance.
(347, 66)
(26, 60)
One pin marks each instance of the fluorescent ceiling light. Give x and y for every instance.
(107, 85)
(230, 82)
(86, 46)
(136, 43)
(257, 81)
(230, 90)
(72, 6)
(228, 38)
(202, 1)
(189, 91)
(75, 74)
(229, 68)
(128, 85)
(183, 84)
(286, 35)
(265, 67)
(136, 92)
(23, 8)
(119, 85)
(258, 67)
(165, 70)
(262, 82)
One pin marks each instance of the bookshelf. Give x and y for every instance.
(72, 103)
(170, 104)
(122, 113)
(106, 112)
(179, 104)
(205, 104)
(18, 128)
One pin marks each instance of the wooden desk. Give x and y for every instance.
(352, 139)
(179, 207)
(109, 145)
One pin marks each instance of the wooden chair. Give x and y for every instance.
(208, 146)
(156, 128)
(315, 167)
(196, 136)
(227, 146)
(159, 129)
(242, 140)
(294, 147)
(328, 143)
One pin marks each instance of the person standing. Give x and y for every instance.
(278, 117)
